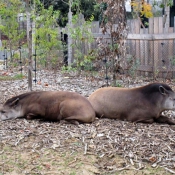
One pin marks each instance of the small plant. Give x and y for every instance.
(118, 84)
(73, 173)
(81, 34)
(39, 167)
(156, 73)
(8, 77)
(172, 59)
(133, 65)
(19, 76)
(133, 69)
(68, 69)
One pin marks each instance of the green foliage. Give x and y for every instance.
(164, 3)
(118, 84)
(81, 35)
(15, 62)
(9, 26)
(103, 7)
(46, 37)
(172, 59)
(133, 65)
(87, 8)
(46, 34)
(68, 69)
(16, 77)
(19, 76)
(90, 8)
(134, 68)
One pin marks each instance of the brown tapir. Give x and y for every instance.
(143, 104)
(49, 105)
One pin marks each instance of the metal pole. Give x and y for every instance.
(35, 54)
(5, 57)
(20, 61)
(106, 70)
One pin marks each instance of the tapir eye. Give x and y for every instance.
(2, 111)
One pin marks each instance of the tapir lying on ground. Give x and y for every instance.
(49, 105)
(143, 104)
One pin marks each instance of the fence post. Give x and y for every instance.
(69, 34)
(29, 41)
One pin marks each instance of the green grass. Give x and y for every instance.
(7, 77)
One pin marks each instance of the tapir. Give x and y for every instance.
(49, 105)
(142, 104)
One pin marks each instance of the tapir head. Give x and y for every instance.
(168, 97)
(160, 95)
(10, 110)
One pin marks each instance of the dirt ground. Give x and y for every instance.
(105, 147)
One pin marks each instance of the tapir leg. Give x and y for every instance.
(77, 110)
(80, 118)
(149, 121)
(31, 116)
(74, 120)
(164, 119)
(137, 117)
(35, 111)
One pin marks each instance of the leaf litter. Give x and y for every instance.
(113, 145)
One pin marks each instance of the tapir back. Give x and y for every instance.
(144, 103)
(50, 105)
(108, 102)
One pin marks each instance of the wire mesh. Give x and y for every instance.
(151, 58)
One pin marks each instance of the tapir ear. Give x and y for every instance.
(162, 90)
(15, 102)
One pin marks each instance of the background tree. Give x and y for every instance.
(46, 34)
(87, 7)
(9, 24)
(45, 30)
(115, 50)
(29, 45)
(78, 30)
(143, 10)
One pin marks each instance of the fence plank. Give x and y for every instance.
(94, 29)
(129, 25)
(137, 42)
(160, 19)
(137, 26)
(155, 53)
(151, 26)
(142, 51)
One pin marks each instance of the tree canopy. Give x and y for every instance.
(87, 8)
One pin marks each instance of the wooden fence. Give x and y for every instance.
(152, 47)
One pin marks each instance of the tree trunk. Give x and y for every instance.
(30, 63)
(29, 41)
(69, 34)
